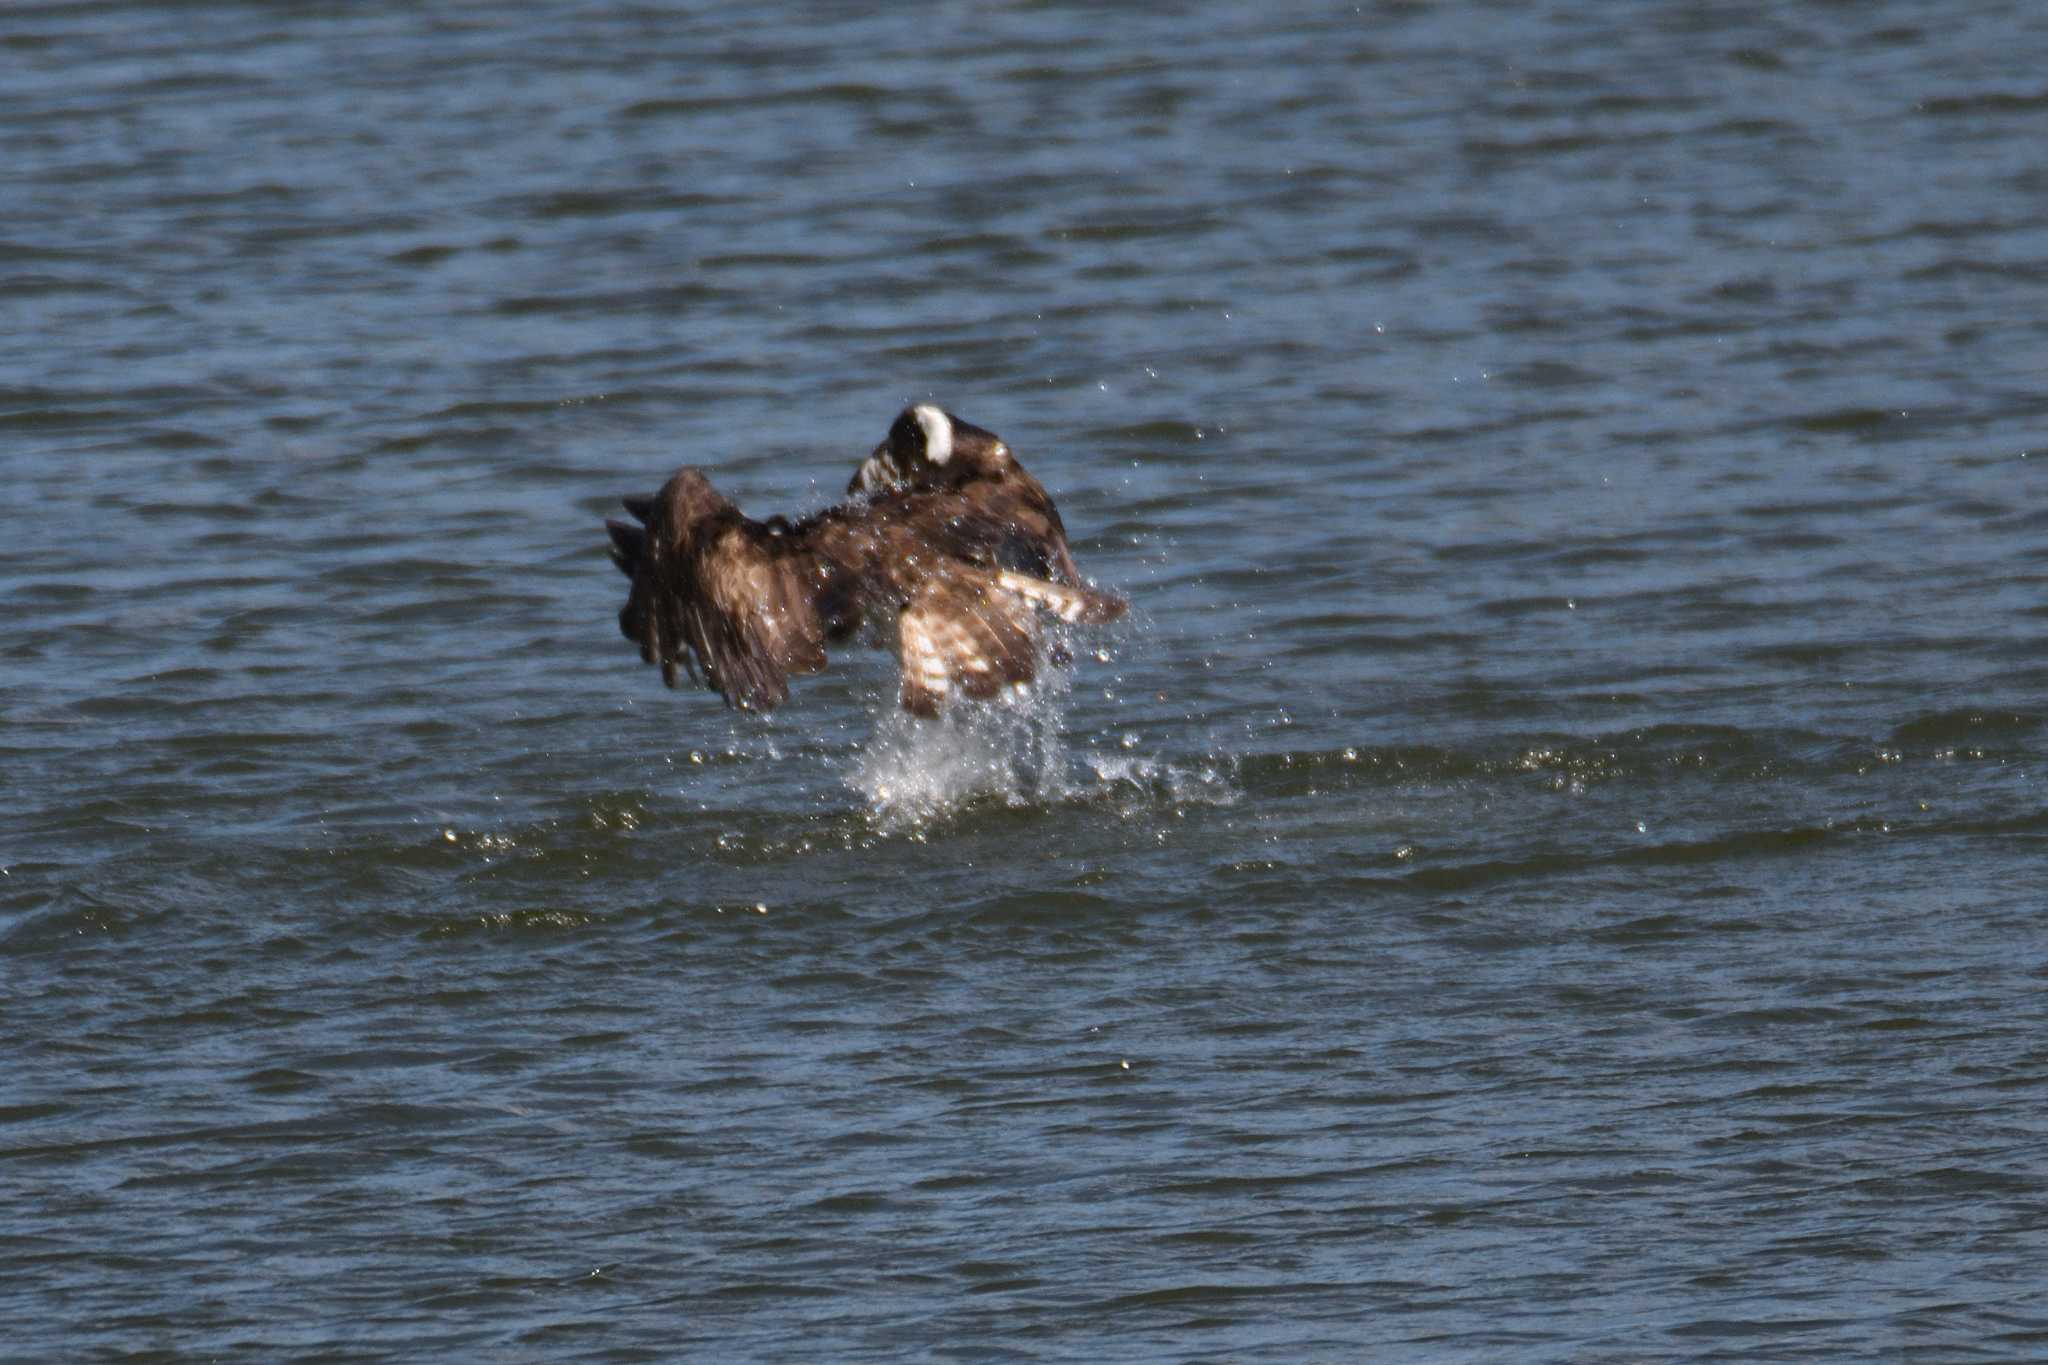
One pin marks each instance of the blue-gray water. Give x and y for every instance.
(1552, 870)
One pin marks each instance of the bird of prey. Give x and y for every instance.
(960, 572)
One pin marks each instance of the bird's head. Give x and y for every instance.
(928, 447)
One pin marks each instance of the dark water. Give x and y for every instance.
(1553, 870)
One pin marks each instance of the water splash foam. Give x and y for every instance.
(914, 772)
(1133, 775)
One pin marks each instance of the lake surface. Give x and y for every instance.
(1551, 870)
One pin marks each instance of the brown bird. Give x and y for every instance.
(751, 602)
(930, 450)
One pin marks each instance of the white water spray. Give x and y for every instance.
(913, 771)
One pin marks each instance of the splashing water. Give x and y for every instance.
(1127, 776)
(913, 771)
(1014, 750)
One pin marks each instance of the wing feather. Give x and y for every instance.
(996, 527)
(752, 620)
(715, 592)
(1084, 606)
(961, 633)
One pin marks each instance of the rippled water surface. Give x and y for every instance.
(1551, 870)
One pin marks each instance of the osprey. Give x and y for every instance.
(960, 572)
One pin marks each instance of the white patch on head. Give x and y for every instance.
(938, 433)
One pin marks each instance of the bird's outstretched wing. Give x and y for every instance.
(732, 597)
(751, 619)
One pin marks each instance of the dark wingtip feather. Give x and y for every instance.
(629, 546)
(641, 505)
